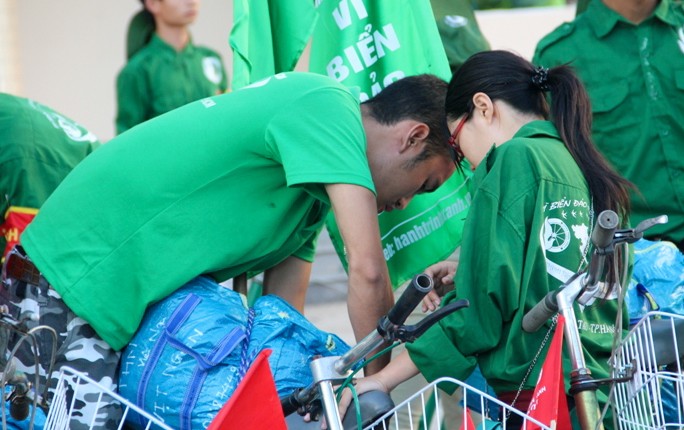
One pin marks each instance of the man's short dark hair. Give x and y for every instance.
(420, 98)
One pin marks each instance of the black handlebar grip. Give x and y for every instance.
(290, 404)
(606, 223)
(420, 285)
(20, 408)
(540, 313)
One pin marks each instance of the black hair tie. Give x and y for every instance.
(540, 78)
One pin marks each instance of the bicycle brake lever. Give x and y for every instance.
(631, 235)
(409, 333)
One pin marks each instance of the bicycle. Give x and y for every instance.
(583, 288)
(26, 398)
(638, 400)
(376, 409)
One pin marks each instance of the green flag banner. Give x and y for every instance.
(369, 44)
(268, 37)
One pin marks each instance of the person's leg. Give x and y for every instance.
(84, 351)
(61, 335)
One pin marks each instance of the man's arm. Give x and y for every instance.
(370, 293)
(289, 280)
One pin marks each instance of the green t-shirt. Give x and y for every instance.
(38, 148)
(635, 78)
(158, 79)
(526, 233)
(222, 186)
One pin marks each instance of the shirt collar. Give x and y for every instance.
(664, 12)
(603, 19)
(537, 128)
(159, 43)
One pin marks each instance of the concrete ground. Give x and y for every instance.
(326, 298)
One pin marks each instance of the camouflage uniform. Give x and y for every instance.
(77, 345)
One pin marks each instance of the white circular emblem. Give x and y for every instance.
(212, 69)
(556, 235)
(74, 131)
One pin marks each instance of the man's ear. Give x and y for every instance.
(483, 107)
(415, 135)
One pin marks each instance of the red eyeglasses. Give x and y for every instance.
(458, 154)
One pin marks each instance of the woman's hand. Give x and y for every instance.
(363, 385)
(442, 275)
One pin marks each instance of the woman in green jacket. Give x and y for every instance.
(538, 186)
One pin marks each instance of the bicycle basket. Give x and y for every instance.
(423, 410)
(653, 398)
(69, 383)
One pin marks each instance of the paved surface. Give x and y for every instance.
(326, 298)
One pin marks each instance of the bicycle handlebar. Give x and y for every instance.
(419, 287)
(540, 313)
(604, 236)
(606, 224)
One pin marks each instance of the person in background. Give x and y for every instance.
(458, 28)
(538, 184)
(38, 148)
(165, 70)
(232, 184)
(630, 56)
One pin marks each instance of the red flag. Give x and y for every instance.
(468, 422)
(16, 220)
(549, 404)
(255, 403)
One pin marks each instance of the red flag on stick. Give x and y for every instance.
(255, 403)
(468, 421)
(549, 404)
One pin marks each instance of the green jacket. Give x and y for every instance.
(38, 148)
(635, 78)
(158, 79)
(527, 232)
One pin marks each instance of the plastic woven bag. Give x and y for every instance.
(657, 279)
(194, 347)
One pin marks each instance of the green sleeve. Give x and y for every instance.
(314, 152)
(133, 95)
(308, 250)
(490, 262)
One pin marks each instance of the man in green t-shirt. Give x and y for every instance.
(38, 148)
(630, 54)
(239, 183)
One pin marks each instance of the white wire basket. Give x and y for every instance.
(423, 411)
(70, 383)
(653, 397)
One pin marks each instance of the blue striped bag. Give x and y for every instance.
(193, 348)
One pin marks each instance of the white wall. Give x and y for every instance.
(70, 51)
(519, 30)
(67, 53)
